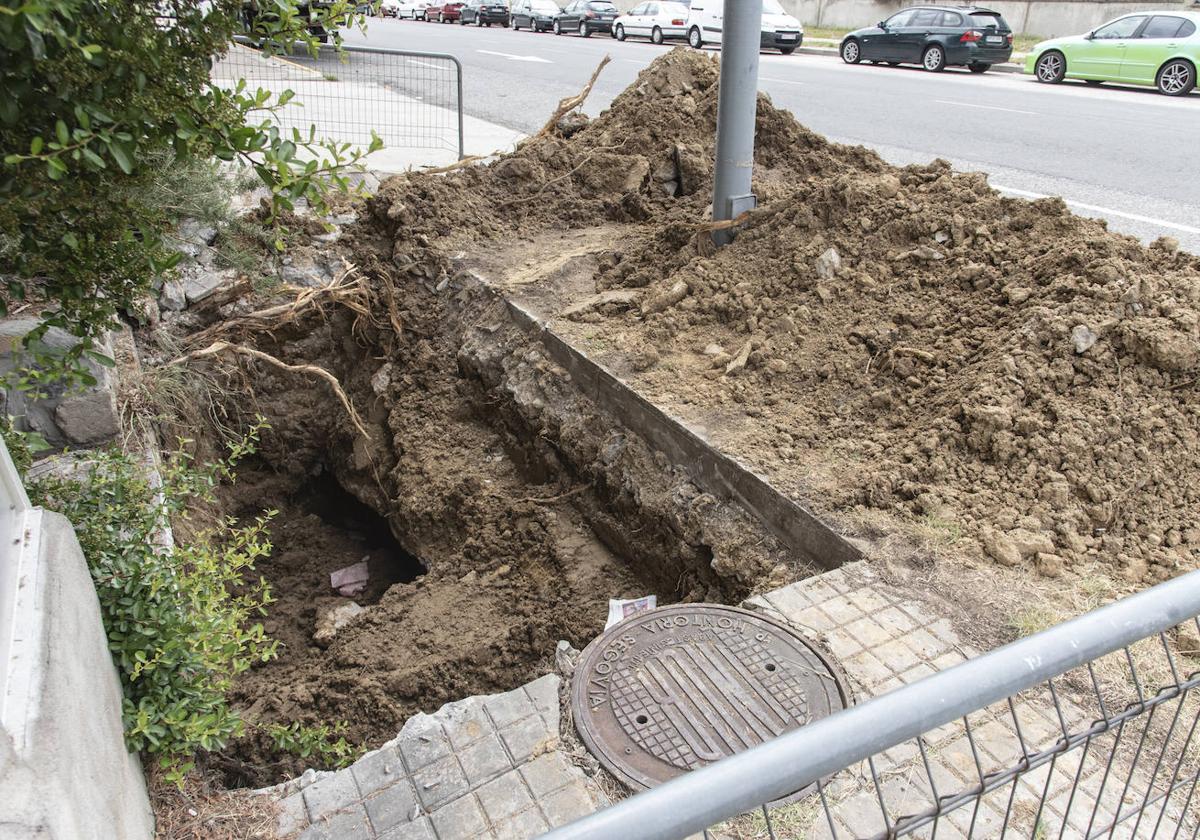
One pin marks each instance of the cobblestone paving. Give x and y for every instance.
(885, 639)
(484, 767)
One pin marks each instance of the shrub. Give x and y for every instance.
(92, 94)
(180, 619)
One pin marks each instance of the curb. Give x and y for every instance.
(1007, 67)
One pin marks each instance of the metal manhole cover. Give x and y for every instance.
(680, 687)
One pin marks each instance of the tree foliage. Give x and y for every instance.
(91, 93)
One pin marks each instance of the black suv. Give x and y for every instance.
(585, 17)
(484, 12)
(934, 37)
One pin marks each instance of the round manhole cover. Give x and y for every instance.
(676, 688)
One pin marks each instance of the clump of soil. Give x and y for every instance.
(896, 339)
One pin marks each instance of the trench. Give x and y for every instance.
(496, 506)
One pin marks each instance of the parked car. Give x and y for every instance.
(655, 21)
(1147, 48)
(406, 8)
(428, 11)
(935, 37)
(534, 15)
(444, 13)
(585, 17)
(484, 12)
(780, 30)
(388, 8)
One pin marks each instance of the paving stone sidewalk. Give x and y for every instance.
(493, 767)
(484, 767)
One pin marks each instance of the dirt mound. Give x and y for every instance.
(904, 340)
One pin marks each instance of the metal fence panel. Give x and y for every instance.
(1087, 729)
(410, 99)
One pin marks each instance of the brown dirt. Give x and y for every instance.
(930, 372)
(929, 379)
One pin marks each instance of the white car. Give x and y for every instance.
(655, 21)
(780, 30)
(400, 8)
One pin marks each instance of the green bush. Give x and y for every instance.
(93, 93)
(181, 619)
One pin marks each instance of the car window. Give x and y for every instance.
(601, 6)
(1123, 28)
(637, 10)
(1162, 26)
(1187, 30)
(772, 7)
(927, 17)
(985, 19)
(544, 8)
(953, 19)
(900, 19)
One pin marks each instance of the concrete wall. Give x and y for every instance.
(65, 773)
(1049, 18)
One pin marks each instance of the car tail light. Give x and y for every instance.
(970, 37)
(678, 22)
(590, 14)
(1008, 38)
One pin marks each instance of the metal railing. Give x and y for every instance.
(1087, 729)
(410, 99)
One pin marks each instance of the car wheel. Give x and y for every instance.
(1176, 78)
(979, 68)
(786, 50)
(851, 51)
(584, 32)
(934, 59)
(557, 28)
(619, 32)
(656, 36)
(694, 39)
(1050, 68)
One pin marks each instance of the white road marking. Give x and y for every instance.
(427, 64)
(1106, 211)
(986, 107)
(512, 57)
(784, 81)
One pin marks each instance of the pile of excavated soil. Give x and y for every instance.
(877, 338)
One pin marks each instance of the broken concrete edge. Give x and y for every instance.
(64, 768)
(714, 471)
(487, 765)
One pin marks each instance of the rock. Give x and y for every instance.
(828, 264)
(665, 300)
(714, 350)
(381, 380)
(198, 286)
(1166, 243)
(565, 658)
(924, 253)
(193, 237)
(570, 123)
(334, 619)
(739, 361)
(1000, 547)
(644, 357)
(1048, 565)
(1083, 339)
(172, 296)
(88, 418)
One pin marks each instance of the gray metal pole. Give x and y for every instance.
(737, 102)
(778, 767)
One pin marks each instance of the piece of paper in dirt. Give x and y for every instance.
(619, 609)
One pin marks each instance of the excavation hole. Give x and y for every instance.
(388, 562)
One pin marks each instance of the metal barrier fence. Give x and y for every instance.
(1087, 729)
(410, 99)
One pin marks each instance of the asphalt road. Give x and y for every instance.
(1126, 154)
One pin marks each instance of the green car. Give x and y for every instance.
(1146, 48)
